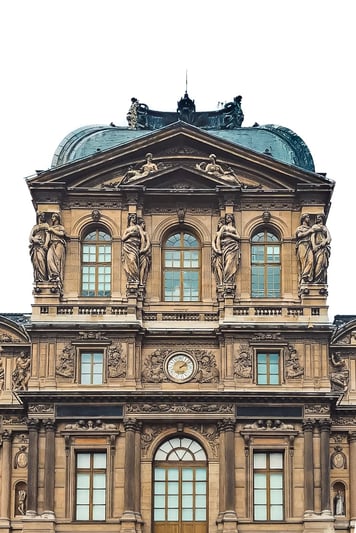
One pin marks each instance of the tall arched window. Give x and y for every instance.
(181, 268)
(96, 263)
(265, 265)
(180, 483)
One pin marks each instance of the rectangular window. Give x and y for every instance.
(268, 368)
(90, 501)
(268, 494)
(91, 368)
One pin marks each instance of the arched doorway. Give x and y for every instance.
(180, 483)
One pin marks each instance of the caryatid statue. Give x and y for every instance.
(226, 251)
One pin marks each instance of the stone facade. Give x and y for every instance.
(178, 330)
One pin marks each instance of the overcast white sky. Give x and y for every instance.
(70, 63)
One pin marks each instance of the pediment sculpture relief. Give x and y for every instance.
(132, 173)
(214, 169)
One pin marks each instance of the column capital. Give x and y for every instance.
(6, 436)
(325, 425)
(352, 437)
(33, 424)
(227, 424)
(308, 424)
(49, 424)
(131, 424)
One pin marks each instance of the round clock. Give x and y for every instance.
(180, 367)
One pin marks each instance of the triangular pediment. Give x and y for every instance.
(175, 155)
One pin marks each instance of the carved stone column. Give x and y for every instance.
(49, 468)
(308, 467)
(32, 482)
(352, 440)
(138, 470)
(129, 519)
(6, 477)
(325, 466)
(228, 517)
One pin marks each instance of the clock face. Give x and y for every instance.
(180, 367)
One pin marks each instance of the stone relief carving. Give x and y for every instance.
(65, 362)
(148, 435)
(269, 425)
(21, 457)
(116, 362)
(213, 169)
(5, 337)
(339, 375)
(317, 409)
(48, 248)
(292, 364)
(266, 337)
(90, 425)
(92, 335)
(21, 373)
(313, 249)
(243, 362)
(13, 420)
(338, 458)
(41, 408)
(153, 367)
(180, 408)
(344, 421)
(211, 434)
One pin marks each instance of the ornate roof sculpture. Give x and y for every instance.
(271, 140)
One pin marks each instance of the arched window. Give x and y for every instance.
(96, 263)
(180, 483)
(181, 268)
(265, 265)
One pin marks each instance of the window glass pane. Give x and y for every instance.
(187, 487)
(276, 460)
(159, 487)
(260, 481)
(276, 497)
(200, 473)
(99, 497)
(260, 496)
(99, 481)
(200, 515)
(276, 480)
(200, 501)
(172, 502)
(260, 512)
(172, 515)
(277, 512)
(83, 481)
(187, 474)
(173, 474)
(82, 512)
(260, 460)
(172, 487)
(99, 512)
(189, 241)
(200, 487)
(160, 474)
(187, 514)
(191, 259)
(159, 501)
(159, 515)
(174, 240)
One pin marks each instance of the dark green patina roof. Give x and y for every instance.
(275, 141)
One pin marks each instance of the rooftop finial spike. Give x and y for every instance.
(186, 81)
